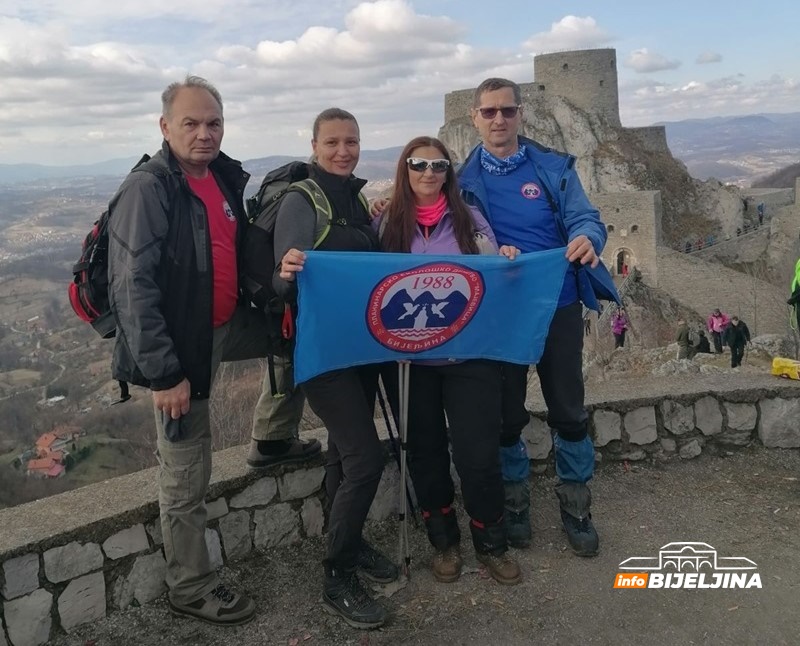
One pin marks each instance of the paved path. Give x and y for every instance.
(743, 504)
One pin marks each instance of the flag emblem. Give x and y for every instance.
(423, 307)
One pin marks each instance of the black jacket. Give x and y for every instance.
(160, 273)
(737, 335)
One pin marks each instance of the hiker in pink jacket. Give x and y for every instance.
(716, 324)
(619, 323)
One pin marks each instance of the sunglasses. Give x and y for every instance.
(508, 112)
(421, 165)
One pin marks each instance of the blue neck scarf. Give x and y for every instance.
(496, 166)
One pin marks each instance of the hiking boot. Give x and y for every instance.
(502, 567)
(581, 534)
(269, 453)
(344, 595)
(447, 564)
(220, 607)
(374, 565)
(517, 513)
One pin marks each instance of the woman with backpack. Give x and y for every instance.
(343, 399)
(426, 215)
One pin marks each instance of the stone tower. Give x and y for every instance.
(586, 78)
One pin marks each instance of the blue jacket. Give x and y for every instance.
(574, 214)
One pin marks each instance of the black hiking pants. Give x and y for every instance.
(469, 393)
(345, 401)
(737, 353)
(560, 372)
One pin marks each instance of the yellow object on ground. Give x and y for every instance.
(786, 368)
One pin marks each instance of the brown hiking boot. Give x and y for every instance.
(503, 568)
(447, 564)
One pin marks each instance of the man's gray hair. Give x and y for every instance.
(168, 95)
(492, 84)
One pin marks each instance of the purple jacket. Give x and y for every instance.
(619, 323)
(443, 239)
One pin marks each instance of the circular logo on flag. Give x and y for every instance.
(531, 191)
(424, 307)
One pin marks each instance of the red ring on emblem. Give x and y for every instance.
(422, 308)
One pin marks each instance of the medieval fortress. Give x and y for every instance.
(651, 206)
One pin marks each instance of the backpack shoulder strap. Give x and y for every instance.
(321, 206)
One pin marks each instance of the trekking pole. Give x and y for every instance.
(393, 442)
(404, 372)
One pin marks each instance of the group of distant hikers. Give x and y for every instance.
(724, 330)
(176, 229)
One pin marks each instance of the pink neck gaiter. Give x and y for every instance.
(428, 216)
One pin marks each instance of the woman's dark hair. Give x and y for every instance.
(401, 214)
(331, 114)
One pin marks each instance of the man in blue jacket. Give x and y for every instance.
(533, 199)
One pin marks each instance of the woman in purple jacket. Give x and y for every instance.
(427, 216)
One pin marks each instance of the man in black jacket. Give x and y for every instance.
(175, 230)
(737, 336)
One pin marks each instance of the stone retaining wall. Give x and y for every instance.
(73, 558)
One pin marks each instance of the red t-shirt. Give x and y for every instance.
(222, 231)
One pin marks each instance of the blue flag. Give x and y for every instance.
(360, 308)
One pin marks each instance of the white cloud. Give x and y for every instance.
(69, 95)
(639, 101)
(571, 32)
(644, 61)
(708, 57)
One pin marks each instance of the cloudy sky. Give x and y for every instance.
(80, 79)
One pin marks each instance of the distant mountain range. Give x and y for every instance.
(736, 149)
(731, 149)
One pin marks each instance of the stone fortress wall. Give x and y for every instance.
(633, 224)
(76, 557)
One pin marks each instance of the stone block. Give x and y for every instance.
(82, 601)
(640, 425)
(144, 583)
(607, 427)
(214, 549)
(690, 450)
(154, 529)
(735, 438)
(216, 509)
(28, 618)
(741, 417)
(235, 530)
(21, 576)
(668, 444)
(257, 494)
(387, 499)
(3, 641)
(538, 439)
(301, 483)
(539, 468)
(276, 525)
(708, 416)
(634, 455)
(678, 419)
(128, 541)
(778, 426)
(313, 517)
(71, 561)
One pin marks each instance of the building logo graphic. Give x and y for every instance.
(687, 565)
(424, 307)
